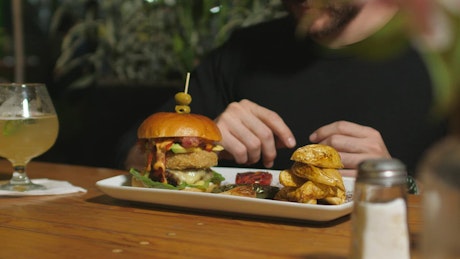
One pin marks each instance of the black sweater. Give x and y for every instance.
(310, 86)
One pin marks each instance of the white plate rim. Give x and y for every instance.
(114, 187)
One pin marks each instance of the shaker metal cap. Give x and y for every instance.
(382, 172)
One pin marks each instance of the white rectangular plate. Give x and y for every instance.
(118, 187)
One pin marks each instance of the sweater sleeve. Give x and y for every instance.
(212, 82)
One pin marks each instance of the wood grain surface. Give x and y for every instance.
(94, 225)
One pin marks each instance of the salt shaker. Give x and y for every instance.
(379, 217)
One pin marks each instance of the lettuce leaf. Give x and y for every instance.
(149, 182)
(215, 179)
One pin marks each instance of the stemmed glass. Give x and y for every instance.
(28, 128)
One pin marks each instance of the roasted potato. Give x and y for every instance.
(318, 155)
(313, 177)
(288, 179)
(327, 176)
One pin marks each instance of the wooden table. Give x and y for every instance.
(94, 225)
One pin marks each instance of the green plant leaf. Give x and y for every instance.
(83, 82)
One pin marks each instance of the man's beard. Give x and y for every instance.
(328, 20)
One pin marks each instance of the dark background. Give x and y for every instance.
(93, 121)
(95, 118)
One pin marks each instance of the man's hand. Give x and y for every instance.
(251, 132)
(354, 143)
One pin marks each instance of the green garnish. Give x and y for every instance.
(149, 182)
(176, 148)
(412, 185)
(216, 179)
(13, 126)
(262, 191)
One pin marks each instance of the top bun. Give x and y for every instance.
(318, 155)
(173, 124)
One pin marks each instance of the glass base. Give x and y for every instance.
(20, 182)
(22, 187)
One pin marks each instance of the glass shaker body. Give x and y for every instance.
(379, 218)
(440, 175)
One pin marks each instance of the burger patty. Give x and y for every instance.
(198, 159)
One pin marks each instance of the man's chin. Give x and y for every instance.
(321, 25)
(324, 23)
(317, 25)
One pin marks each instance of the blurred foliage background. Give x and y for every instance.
(144, 41)
(110, 63)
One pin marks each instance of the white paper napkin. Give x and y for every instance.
(53, 187)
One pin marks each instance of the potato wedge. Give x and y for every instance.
(318, 155)
(327, 176)
(288, 179)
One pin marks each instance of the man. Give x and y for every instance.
(325, 74)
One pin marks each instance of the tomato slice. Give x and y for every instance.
(258, 177)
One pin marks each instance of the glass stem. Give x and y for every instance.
(19, 175)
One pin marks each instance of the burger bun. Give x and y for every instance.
(172, 124)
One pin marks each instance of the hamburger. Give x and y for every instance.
(180, 149)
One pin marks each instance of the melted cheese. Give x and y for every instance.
(191, 177)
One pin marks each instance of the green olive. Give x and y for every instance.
(183, 98)
(182, 109)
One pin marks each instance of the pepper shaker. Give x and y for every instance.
(379, 217)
